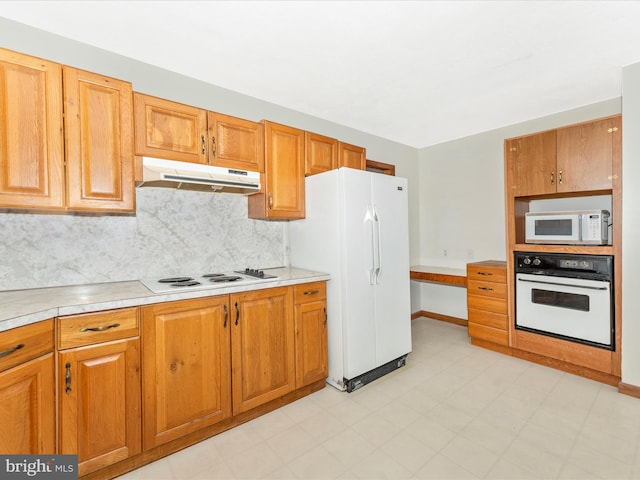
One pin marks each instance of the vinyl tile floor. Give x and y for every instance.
(454, 411)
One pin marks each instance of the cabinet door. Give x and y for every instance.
(321, 153)
(169, 130)
(99, 146)
(236, 143)
(99, 403)
(351, 156)
(27, 408)
(311, 343)
(186, 364)
(31, 146)
(283, 195)
(585, 155)
(262, 347)
(532, 160)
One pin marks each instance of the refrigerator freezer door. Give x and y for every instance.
(358, 282)
(392, 296)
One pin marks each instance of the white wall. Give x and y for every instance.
(462, 201)
(631, 225)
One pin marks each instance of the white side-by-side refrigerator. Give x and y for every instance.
(356, 229)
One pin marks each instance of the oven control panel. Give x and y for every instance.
(560, 264)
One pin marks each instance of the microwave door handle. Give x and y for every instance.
(561, 284)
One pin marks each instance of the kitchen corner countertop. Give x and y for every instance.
(22, 307)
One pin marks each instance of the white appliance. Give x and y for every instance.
(157, 172)
(566, 296)
(578, 227)
(357, 229)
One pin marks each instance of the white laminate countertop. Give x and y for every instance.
(22, 307)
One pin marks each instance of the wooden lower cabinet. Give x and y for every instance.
(311, 333)
(262, 352)
(27, 390)
(487, 302)
(186, 365)
(27, 408)
(99, 403)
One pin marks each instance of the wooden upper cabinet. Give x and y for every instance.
(283, 190)
(235, 142)
(532, 160)
(321, 153)
(352, 156)
(586, 154)
(169, 130)
(99, 145)
(573, 159)
(174, 131)
(31, 143)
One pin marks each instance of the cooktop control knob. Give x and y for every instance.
(526, 261)
(537, 261)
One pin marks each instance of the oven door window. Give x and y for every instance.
(572, 301)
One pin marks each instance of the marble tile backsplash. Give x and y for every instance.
(174, 232)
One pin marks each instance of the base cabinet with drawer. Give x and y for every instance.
(487, 302)
(310, 312)
(99, 387)
(27, 390)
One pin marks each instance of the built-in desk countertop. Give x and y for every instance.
(449, 276)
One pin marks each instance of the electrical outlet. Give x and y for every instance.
(444, 252)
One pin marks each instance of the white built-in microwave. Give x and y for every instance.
(576, 227)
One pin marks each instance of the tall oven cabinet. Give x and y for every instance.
(578, 165)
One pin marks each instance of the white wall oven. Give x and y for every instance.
(566, 296)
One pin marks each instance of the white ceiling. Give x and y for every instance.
(417, 72)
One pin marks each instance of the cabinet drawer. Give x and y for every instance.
(309, 292)
(489, 304)
(490, 334)
(489, 319)
(21, 344)
(488, 289)
(90, 328)
(488, 273)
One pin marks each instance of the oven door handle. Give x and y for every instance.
(562, 284)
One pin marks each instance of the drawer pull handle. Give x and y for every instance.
(99, 329)
(325, 315)
(67, 379)
(486, 288)
(226, 316)
(11, 350)
(312, 292)
(237, 313)
(486, 274)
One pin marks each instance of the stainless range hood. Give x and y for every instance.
(158, 172)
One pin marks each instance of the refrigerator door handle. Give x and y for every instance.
(372, 271)
(378, 254)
